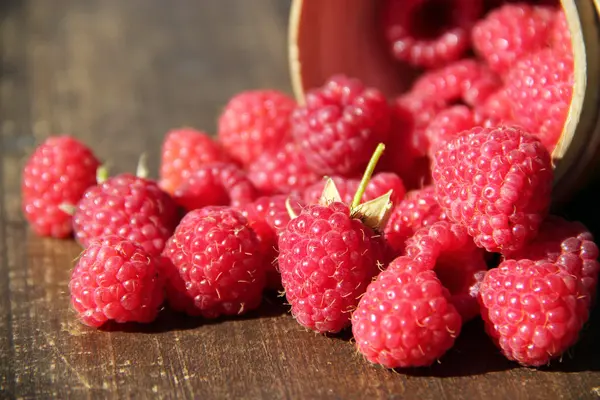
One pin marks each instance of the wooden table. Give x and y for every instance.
(118, 74)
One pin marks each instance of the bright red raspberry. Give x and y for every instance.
(448, 124)
(497, 106)
(128, 206)
(216, 267)
(569, 245)
(560, 35)
(540, 88)
(418, 209)
(429, 33)
(282, 171)
(255, 121)
(497, 182)
(183, 152)
(217, 184)
(378, 185)
(340, 125)
(532, 311)
(327, 259)
(116, 279)
(58, 172)
(405, 318)
(510, 32)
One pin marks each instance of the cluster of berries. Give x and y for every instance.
(294, 197)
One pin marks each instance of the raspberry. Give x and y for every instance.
(497, 182)
(217, 184)
(132, 207)
(418, 209)
(267, 216)
(379, 185)
(282, 171)
(510, 32)
(116, 279)
(560, 35)
(58, 172)
(405, 319)
(253, 122)
(429, 33)
(532, 311)
(497, 106)
(569, 245)
(327, 259)
(340, 126)
(448, 124)
(215, 267)
(540, 87)
(183, 152)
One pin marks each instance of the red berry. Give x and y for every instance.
(58, 172)
(429, 33)
(532, 311)
(183, 152)
(127, 206)
(282, 171)
(215, 266)
(340, 125)
(116, 279)
(216, 184)
(497, 106)
(560, 35)
(510, 32)
(448, 124)
(497, 182)
(405, 319)
(327, 259)
(539, 88)
(253, 122)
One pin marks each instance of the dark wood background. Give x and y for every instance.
(118, 74)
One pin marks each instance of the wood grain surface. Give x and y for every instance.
(118, 74)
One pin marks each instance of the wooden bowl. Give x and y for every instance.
(341, 36)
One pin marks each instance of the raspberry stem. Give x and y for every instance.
(102, 174)
(142, 167)
(367, 175)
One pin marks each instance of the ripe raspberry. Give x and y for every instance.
(216, 184)
(267, 216)
(405, 319)
(569, 245)
(340, 126)
(448, 124)
(560, 35)
(540, 87)
(497, 106)
(59, 171)
(510, 32)
(497, 182)
(183, 152)
(116, 279)
(379, 185)
(418, 209)
(253, 122)
(128, 206)
(282, 171)
(532, 311)
(429, 33)
(215, 267)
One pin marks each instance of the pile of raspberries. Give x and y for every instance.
(282, 199)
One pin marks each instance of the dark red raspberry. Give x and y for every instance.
(217, 184)
(282, 171)
(418, 209)
(128, 206)
(560, 35)
(405, 318)
(183, 152)
(429, 33)
(497, 182)
(569, 245)
(267, 216)
(116, 279)
(215, 266)
(448, 124)
(340, 126)
(510, 32)
(58, 172)
(380, 184)
(539, 88)
(255, 121)
(532, 311)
